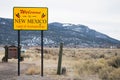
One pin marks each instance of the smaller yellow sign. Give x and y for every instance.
(30, 18)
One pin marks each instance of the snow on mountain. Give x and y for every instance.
(2, 23)
(67, 24)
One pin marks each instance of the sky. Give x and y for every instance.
(100, 15)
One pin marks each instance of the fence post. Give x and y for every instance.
(60, 59)
(5, 58)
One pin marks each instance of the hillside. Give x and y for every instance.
(70, 34)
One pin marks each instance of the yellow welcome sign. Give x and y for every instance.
(30, 18)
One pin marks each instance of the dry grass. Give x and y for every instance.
(33, 70)
(114, 62)
(80, 63)
(114, 75)
(90, 66)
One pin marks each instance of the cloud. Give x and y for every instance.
(102, 15)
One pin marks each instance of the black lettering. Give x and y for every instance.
(19, 21)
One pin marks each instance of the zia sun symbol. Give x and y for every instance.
(18, 15)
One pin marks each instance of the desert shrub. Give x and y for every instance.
(114, 62)
(116, 54)
(115, 74)
(100, 67)
(54, 58)
(91, 66)
(104, 73)
(37, 55)
(46, 51)
(110, 73)
(26, 56)
(47, 56)
(94, 56)
(77, 78)
(33, 70)
(97, 65)
(37, 50)
(31, 55)
(102, 56)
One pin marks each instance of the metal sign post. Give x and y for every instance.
(30, 18)
(19, 53)
(41, 53)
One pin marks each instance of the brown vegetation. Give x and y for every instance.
(80, 63)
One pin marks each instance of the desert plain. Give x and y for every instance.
(80, 64)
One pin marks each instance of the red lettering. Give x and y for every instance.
(29, 12)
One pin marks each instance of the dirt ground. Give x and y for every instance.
(8, 71)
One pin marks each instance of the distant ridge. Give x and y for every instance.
(70, 34)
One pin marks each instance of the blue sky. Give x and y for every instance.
(101, 15)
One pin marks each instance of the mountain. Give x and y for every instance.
(70, 34)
